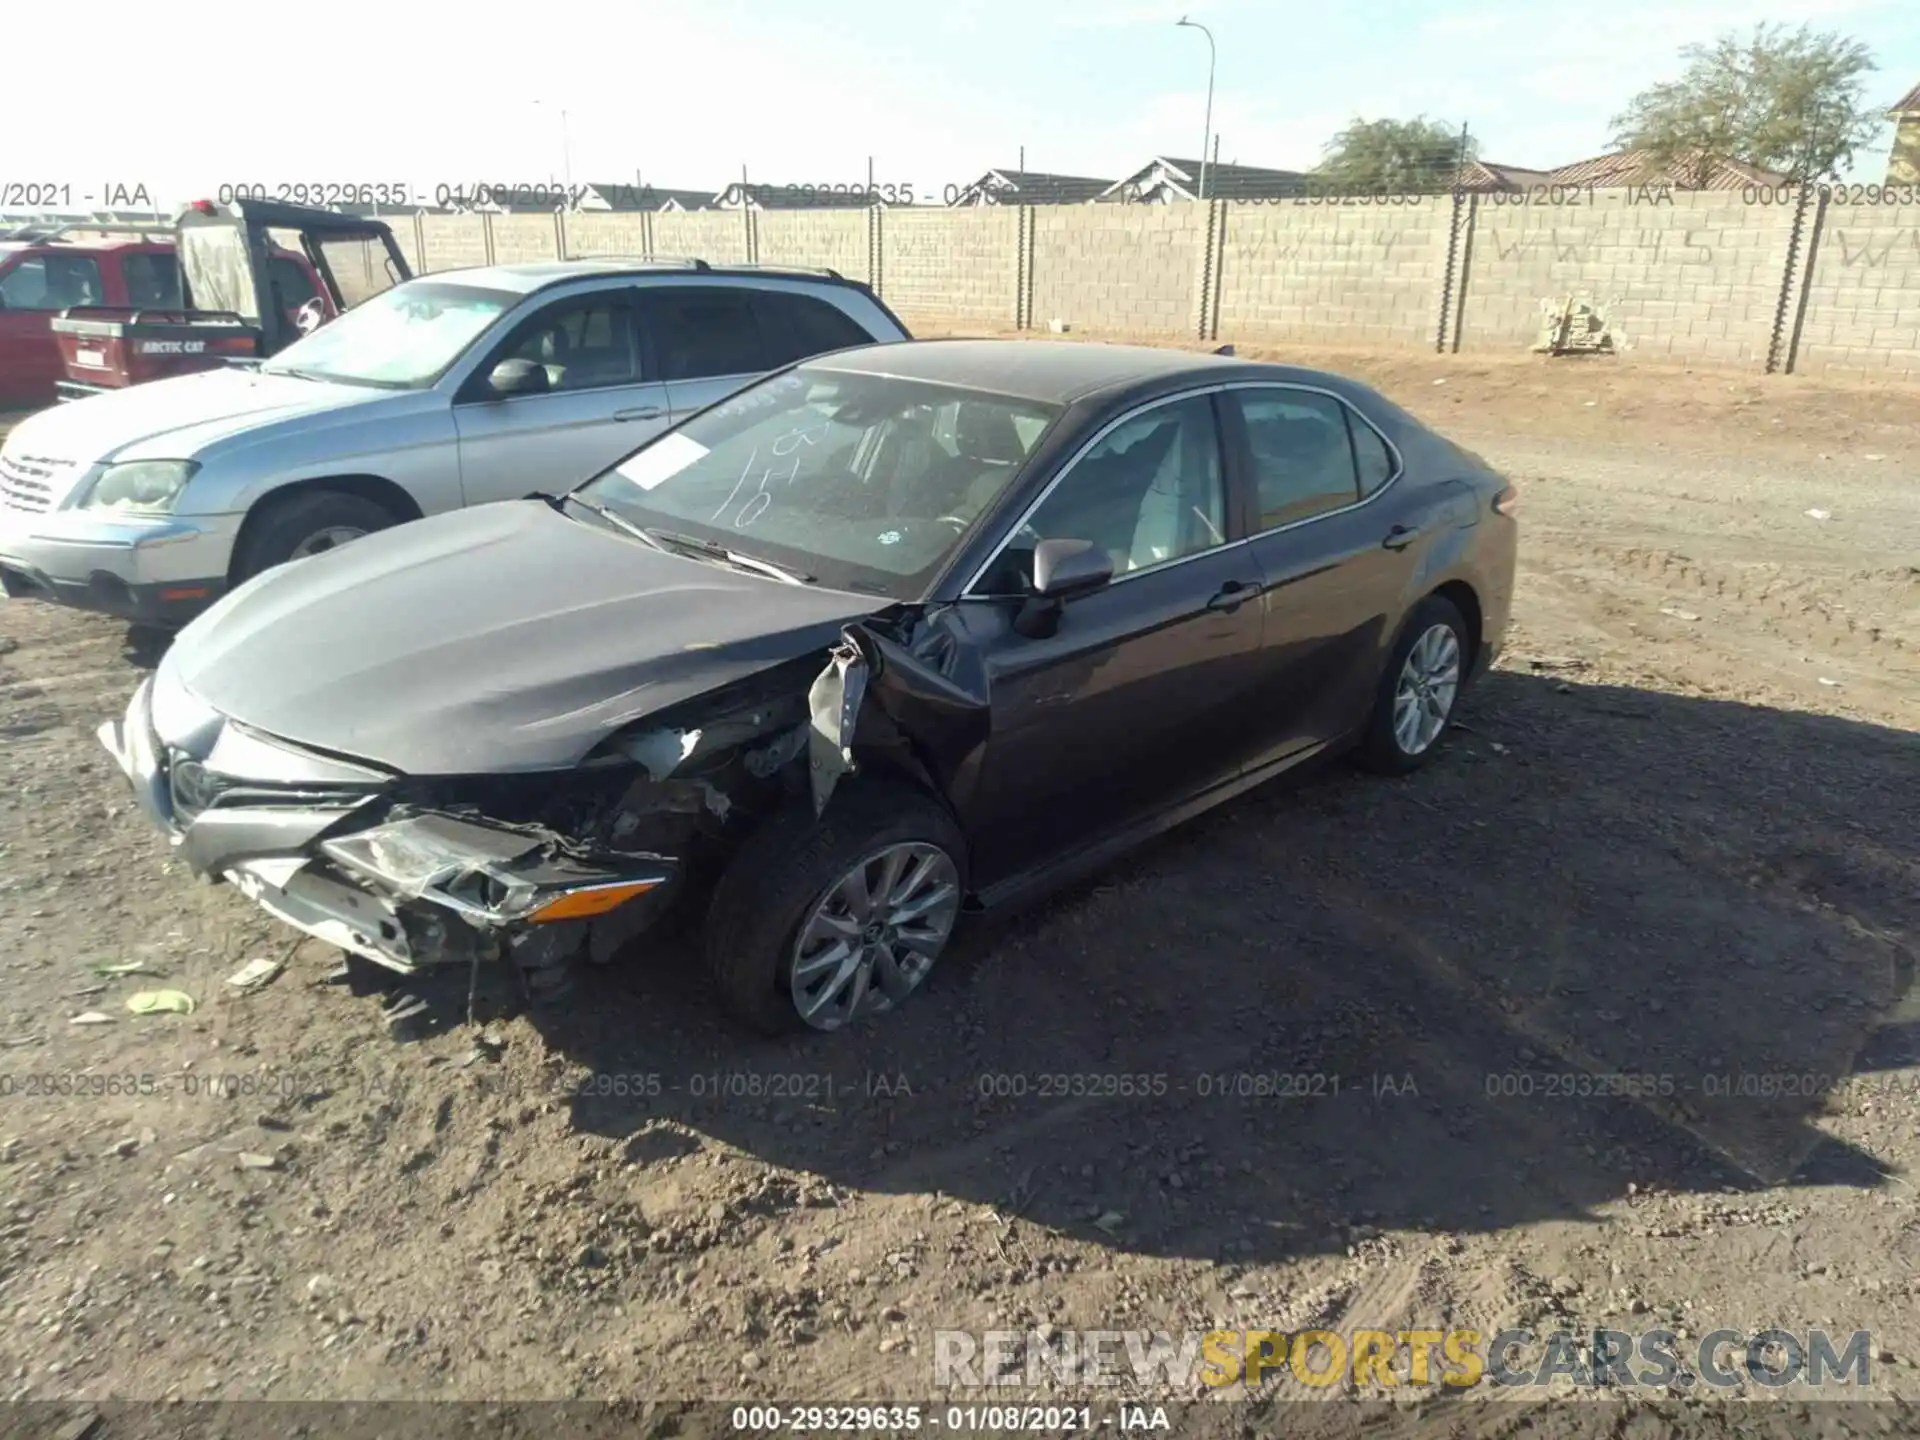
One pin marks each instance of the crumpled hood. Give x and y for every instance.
(173, 419)
(507, 637)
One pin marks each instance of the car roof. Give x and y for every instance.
(1052, 372)
(538, 275)
(64, 244)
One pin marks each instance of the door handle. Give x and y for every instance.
(1231, 596)
(640, 412)
(1401, 536)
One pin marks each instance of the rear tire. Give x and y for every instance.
(793, 865)
(304, 523)
(1417, 695)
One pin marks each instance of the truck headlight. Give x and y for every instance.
(148, 487)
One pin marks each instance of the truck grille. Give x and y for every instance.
(26, 482)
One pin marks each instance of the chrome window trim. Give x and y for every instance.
(967, 592)
(737, 375)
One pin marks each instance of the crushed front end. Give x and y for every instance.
(544, 866)
(405, 873)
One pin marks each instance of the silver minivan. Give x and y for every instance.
(450, 390)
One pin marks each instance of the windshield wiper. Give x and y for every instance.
(615, 520)
(713, 550)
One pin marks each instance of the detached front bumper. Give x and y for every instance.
(405, 890)
(157, 570)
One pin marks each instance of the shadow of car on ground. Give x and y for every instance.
(1613, 940)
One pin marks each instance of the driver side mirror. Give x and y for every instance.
(518, 377)
(1062, 570)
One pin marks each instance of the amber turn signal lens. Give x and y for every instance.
(594, 900)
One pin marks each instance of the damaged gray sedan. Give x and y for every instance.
(889, 636)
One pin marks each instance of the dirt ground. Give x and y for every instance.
(1673, 837)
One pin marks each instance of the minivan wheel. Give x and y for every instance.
(1418, 691)
(306, 523)
(820, 924)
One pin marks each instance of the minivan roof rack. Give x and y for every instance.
(695, 263)
(795, 269)
(687, 261)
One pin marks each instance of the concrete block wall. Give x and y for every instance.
(1696, 276)
(1368, 274)
(951, 266)
(1687, 275)
(452, 242)
(831, 239)
(524, 239)
(589, 235)
(716, 236)
(1863, 292)
(406, 234)
(1133, 268)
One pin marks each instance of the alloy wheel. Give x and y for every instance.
(1424, 694)
(874, 934)
(321, 541)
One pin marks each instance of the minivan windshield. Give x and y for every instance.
(404, 338)
(863, 482)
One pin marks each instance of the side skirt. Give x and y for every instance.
(1097, 854)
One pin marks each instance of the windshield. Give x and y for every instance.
(864, 482)
(405, 337)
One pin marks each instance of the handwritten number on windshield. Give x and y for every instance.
(760, 499)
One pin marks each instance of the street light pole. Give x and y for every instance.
(566, 149)
(1207, 140)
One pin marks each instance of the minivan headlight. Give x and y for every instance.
(147, 487)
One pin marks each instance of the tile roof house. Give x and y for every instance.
(388, 212)
(1163, 180)
(1483, 176)
(630, 197)
(1031, 187)
(1903, 165)
(1698, 171)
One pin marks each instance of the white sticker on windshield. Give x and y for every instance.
(661, 461)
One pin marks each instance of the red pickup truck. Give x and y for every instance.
(130, 268)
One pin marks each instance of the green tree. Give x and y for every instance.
(1793, 101)
(1393, 157)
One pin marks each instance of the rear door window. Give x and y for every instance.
(700, 333)
(797, 326)
(1303, 461)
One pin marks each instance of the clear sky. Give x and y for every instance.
(183, 97)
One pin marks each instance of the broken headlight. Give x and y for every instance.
(487, 873)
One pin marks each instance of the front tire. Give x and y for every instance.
(306, 523)
(821, 923)
(1418, 691)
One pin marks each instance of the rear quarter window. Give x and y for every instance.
(798, 326)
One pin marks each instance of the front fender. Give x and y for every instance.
(415, 449)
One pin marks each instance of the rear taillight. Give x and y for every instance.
(1506, 501)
